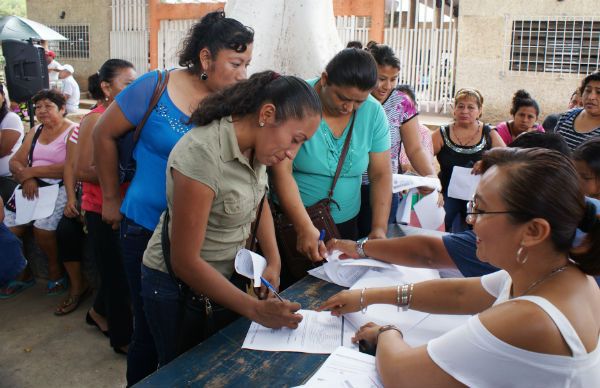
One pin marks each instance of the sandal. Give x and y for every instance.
(90, 321)
(15, 287)
(57, 287)
(71, 303)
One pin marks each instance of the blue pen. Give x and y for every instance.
(270, 287)
(322, 235)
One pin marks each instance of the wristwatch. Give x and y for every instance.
(389, 327)
(360, 246)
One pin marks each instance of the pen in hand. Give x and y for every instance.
(322, 235)
(270, 287)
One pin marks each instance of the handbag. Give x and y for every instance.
(127, 142)
(292, 260)
(198, 316)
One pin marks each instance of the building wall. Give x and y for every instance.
(481, 40)
(96, 13)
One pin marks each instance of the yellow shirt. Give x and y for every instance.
(211, 156)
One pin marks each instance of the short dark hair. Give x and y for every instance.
(589, 152)
(214, 32)
(354, 44)
(50, 94)
(550, 141)
(292, 96)
(521, 99)
(384, 56)
(108, 71)
(558, 197)
(352, 67)
(594, 76)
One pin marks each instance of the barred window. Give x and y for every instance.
(566, 45)
(77, 45)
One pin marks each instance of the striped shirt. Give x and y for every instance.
(566, 127)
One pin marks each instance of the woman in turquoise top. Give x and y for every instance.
(344, 90)
(215, 55)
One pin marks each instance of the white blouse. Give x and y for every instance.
(476, 358)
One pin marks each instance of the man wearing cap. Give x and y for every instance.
(53, 67)
(70, 88)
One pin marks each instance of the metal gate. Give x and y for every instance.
(129, 33)
(170, 38)
(424, 38)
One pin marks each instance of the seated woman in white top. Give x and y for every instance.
(537, 321)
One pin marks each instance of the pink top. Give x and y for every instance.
(504, 131)
(426, 142)
(53, 153)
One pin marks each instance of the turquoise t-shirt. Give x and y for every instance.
(316, 162)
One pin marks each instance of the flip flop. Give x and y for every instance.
(71, 303)
(15, 287)
(57, 287)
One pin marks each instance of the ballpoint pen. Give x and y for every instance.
(322, 235)
(270, 287)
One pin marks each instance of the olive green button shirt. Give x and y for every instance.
(211, 156)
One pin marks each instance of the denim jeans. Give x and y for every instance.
(173, 330)
(142, 359)
(456, 213)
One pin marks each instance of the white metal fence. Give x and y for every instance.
(129, 33)
(170, 38)
(353, 28)
(77, 45)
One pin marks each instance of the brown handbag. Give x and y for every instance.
(292, 260)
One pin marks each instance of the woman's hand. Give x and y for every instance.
(272, 275)
(309, 244)
(367, 333)
(30, 189)
(440, 201)
(343, 302)
(71, 209)
(23, 174)
(111, 212)
(347, 247)
(274, 314)
(377, 233)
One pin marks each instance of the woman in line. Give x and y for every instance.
(43, 169)
(587, 162)
(461, 144)
(11, 135)
(525, 112)
(344, 89)
(401, 113)
(215, 183)
(215, 55)
(113, 296)
(544, 283)
(582, 123)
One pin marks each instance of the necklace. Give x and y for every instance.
(466, 143)
(544, 278)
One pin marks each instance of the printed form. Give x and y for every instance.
(319, 332)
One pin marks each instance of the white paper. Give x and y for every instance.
(319, 273)
(367, 262)
(339, 274)
(38, 208)
(462, 183)
(319, 332)
(346, 368)
(250, 264)
(403, 182)
(429, 214)
(404, 208)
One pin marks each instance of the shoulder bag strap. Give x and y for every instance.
(159, 89)
(342, 158)
(36, 136)
(254, 236)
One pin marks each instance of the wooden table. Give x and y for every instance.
(220, 360)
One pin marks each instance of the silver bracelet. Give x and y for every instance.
(363, 308)
(398, 296)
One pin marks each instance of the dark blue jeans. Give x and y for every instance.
(142, 359)
(456, 212)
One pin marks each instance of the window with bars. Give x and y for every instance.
(77, 45)
(565, 45)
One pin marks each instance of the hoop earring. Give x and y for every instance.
(203, 76)
(521, 260)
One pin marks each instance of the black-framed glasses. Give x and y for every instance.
(473, 213)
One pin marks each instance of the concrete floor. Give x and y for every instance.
(38, 349)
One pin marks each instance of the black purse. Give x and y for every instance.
(199, 317)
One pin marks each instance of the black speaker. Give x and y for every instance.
(26, 69)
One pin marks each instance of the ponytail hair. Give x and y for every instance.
(292, 97)
(107, 73)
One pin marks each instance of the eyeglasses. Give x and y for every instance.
(473, 213)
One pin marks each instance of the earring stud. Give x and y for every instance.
(203, 76)
(261, 124)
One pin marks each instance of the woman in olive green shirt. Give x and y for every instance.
(216, 179)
